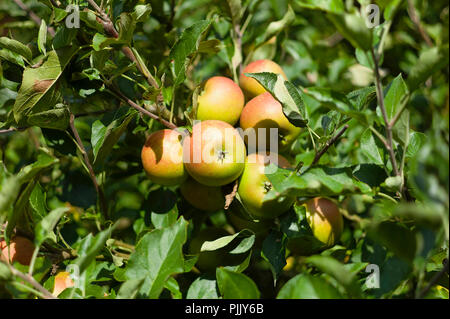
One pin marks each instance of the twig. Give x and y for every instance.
(98, 189)
(109, 28)
(389, 139)
(34, 16)
(434, 280)
(415, 19)
(29, 279)
(142, 110)
(230, 197)
(328, 145)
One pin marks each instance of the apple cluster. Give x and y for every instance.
(219, 151)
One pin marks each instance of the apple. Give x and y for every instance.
(62, 281)
(20, 249)
(240, 222)
(210, 260)
(250, 86)
(263, 113)
(325, 220)
(221, 99)
(254, 185)
(206, 198)
(162, 158)
(214, 154)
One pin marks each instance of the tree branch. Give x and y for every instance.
(111, 31)
(33, 16)
(29, 279)
(389, 138)
(328, 145)
(434, 280)
(415, 19)
(141, 109)
(98, 189)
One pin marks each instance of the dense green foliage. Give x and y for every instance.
(71, 177)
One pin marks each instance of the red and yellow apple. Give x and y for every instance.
(214, 154)
(162, 158)
(221, 99)
(250, 86)
(263, 113)
(325, 220)
(62, 281)
(206, 198)
(254, 186)
(20, 249)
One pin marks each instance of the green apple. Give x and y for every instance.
(250, 86)
(325, 220)
(240, 222)
(254, 186)
(214, 154)
(162, 158)
(206, 198)
(221, 99)
(261, 114)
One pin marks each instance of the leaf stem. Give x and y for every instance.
(328, 144)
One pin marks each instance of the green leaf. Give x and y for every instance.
(286, 93)
(397, 92)
(416, 141)
(16, 47)
(57, 119)
(370, 148)
(42, 37)
(317, 181)
(276, 27)
(203, 288)
(157, 256)
(396, 237)
(90, 247)
(141, 12)
(5, 273)
(334, 6)
(304, 286)
(274, 251)
(187, 45)
(37, 92)
(233, 285)
(430, 61)
(174, 288)
(338, 271)
(130, 288)
(103, 138)
(44, 229)
(247, 239)
(354, 29)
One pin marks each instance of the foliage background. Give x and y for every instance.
(50, 77)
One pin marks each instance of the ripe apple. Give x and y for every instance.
(214, 154)
(254, 185)
(20, 249)
(62, 281)
(207, 198)
(250, 86)
(162, 158)
(265, 112)
(325, 220)
(221, 99)
(210, 260)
